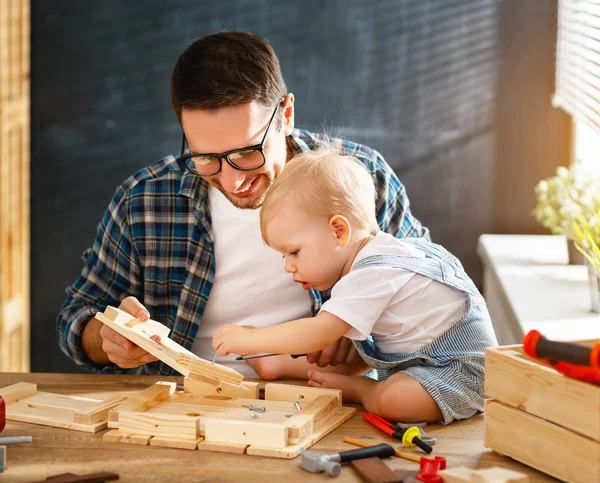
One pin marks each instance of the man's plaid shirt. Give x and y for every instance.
(155, 242)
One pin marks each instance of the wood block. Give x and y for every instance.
(20, 411)
(230, 431)
(340, 416)
(373, 470)
(97, 412)
(460, 474)
(175, 442)
(498, 475)
(245, 389)
(17, 391)
(159, 424)
(302, 394)
(541, 444)
(302, 423)
(524, 383)
(235, 448)
(144, 400)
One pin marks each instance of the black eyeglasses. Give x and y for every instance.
(244, 159)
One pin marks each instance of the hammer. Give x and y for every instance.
(317, 462)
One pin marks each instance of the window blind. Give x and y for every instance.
(578, 60)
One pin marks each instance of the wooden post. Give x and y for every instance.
(14, 185)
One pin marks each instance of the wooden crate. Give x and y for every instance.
(14, 185)
(206, 417)
(26, 404)
(541, 417)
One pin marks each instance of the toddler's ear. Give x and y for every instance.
(340, 226)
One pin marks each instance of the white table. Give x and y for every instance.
(528, 284)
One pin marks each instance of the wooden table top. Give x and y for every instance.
(56, 451)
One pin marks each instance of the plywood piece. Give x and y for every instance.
(17, 391)
(159, 424)
(541, 444)
(144, 400)
(235, 448)
(245, 389)
(97, 412)
(524, 383)
(227, 431)
(168, 351)
(302, 394)
(340, 416)
(178, 443)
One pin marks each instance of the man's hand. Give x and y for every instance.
(340, 352)
(233, 339)
(103, 344)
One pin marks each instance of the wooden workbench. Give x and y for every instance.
(56, 451)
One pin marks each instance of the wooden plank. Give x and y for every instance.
(144, 400)
(373, 470)
(498, 475)
(97, 412)
(17, 391)
(235, 448)
(541, 444)
(207, 368)
(339, 417)
(19, 411)
(302, 394)
(524, 383)
(58, 402)
(178, 443)
(246, 388)
(115, 436)
(227, 431)
(302, 423)
(159, 424)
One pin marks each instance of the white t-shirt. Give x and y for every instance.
(251, 286)
(402, 310)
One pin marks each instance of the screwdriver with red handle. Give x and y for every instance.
(409, 436)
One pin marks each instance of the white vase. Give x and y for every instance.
(594, 287)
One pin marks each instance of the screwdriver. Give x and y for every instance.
(256, 356)
(409, 436)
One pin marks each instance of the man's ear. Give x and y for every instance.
(288, 114)
(341, 228)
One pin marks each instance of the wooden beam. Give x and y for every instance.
(97, 412)
(302, 394)
(144, 400)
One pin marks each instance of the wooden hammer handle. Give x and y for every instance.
(398, 453)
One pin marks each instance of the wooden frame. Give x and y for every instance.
(540, 417)
(25, 403)
(204, 418)
(14, 186)
(168, 351)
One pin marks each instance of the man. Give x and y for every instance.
(181, 239)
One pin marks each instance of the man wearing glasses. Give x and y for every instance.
(181, 239)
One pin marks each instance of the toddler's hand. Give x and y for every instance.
(232, 339)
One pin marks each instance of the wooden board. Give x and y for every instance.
(519, 381)
(168, 351)
(541, 444)
(216, 422)
(25, 403)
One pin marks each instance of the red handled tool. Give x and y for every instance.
(573, 360)
(409, 436)
(2, 414)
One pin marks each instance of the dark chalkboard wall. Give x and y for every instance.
(416, 80)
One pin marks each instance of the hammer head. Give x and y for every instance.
(318, 462)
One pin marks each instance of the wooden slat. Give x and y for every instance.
(234, 448)
(17, 391)
(20, 411)
(144, 400)
(245, 389)
(98, 411)
(159, 424)
(239, 432)
(302, 394)
(178, 443)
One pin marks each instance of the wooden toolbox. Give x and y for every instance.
(206, 417)
(540, 417)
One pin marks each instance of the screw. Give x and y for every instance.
(254, 408)
(297, 404)
(288, 415)
(253, 415)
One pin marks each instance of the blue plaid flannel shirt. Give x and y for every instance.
(155, 243)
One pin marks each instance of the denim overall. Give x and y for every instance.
(451, 367)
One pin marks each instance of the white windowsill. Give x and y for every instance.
(528, 284)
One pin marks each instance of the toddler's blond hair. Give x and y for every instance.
(325, 183)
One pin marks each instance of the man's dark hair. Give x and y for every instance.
(226, 69)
